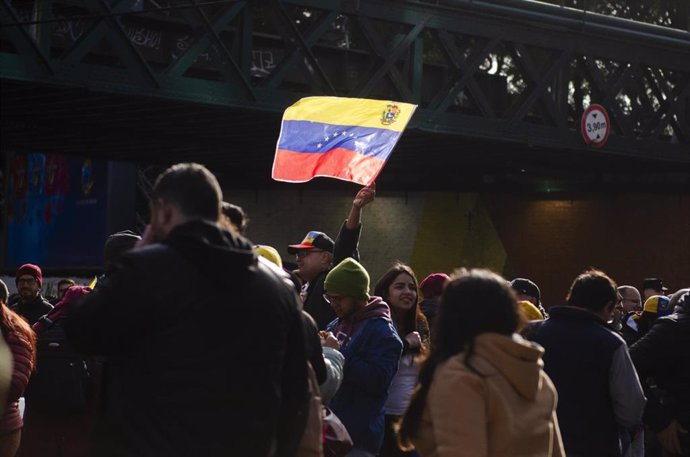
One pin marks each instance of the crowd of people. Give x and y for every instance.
(243, 357)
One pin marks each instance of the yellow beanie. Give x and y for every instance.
(270, 253)
(530, 311)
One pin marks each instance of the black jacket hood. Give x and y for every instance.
(214, 251)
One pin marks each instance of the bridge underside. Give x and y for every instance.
(501, 89)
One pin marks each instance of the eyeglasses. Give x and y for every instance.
(303, 254)
(332, 298)
(26, 281)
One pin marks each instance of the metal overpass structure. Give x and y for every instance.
(501, 86)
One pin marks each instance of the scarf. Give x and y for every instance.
(345, 327)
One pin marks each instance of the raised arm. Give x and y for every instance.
(364, 197)
(348, 238)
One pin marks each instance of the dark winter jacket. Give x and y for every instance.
(598, 388)
(345, 246)
(314, 349)
(663, 356)
(205, 347)
(372, 349)
(33, 310)
(22, 366)
(635, 325)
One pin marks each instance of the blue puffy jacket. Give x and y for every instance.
(371, 360)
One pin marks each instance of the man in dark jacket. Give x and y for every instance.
(662, 359)
(31, 305)
(317, 254)
(599, 392)
(365, 335)
(205, 345)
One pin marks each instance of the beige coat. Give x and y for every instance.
(507, 411)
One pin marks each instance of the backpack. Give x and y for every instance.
(61, 380)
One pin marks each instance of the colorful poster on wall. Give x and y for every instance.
(56, 210)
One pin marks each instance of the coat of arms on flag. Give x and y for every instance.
(343, 138)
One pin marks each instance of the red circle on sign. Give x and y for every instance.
(591, 127)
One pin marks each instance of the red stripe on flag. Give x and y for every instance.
(338, 163)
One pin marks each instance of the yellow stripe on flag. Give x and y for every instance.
(92, 284)
(359, 112)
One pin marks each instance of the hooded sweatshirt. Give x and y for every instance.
(344, 328)
(499, 402)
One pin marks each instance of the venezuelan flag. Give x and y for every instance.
(343, 138)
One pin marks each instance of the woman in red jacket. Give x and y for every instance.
(22, 343)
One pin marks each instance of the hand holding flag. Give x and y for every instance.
(365, 196)
(343, 138)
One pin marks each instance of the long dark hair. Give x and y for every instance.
(12, 323)
(473, 302)
(414, 315)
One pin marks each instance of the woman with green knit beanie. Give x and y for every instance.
(364, 333)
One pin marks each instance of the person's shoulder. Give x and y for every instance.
(454, 370)
(321, 278)
(381, 325)
(386, 331)
(274, 278)
(671, 325)
(19, 346)
(673, 319)
(608, 334)
(152, 259)
(601, 335)
(147, 253)
(531, 329)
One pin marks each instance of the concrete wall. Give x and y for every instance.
(630, 236)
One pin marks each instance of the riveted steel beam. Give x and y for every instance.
(514, 71)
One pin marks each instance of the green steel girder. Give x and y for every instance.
(24, 43)
(517, 71)
(303, 49)
(179, 66)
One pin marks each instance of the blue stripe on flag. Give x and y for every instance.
(316, 137)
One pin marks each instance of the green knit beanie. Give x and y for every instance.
(348, 278)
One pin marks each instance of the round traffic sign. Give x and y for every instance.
(595, 125)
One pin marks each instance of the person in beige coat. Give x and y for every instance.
(482, 392)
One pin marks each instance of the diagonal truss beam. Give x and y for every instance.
(314, 68)
(605, 90)
(388, 64)
(461, 67)
(278, 74)
(225, 60)
(180, 65)
(108, 26)
(539, 83)
(669, 108)
(460, 78)
(21, 39)
(431, 52)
